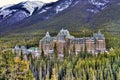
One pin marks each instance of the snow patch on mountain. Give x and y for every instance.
(23, 10)
(63, 6)
(47, 10)
(118, 3)
(92, 10)
(44, 10)
(28, 5)
(17, 17)
(4, 7)
(5, 13)
(98, 5)
(31, 5)
(75, 3)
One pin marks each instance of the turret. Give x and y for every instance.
(99, 41)
(47, 34)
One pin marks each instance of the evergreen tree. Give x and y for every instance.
(42, 54)
(55, 51)
(74, 49)
(65, 52)
(55, 73)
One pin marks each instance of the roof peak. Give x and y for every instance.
(99, 31)
(47, 34)
(62, 29)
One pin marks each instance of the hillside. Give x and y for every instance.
(76, 19)
(80, 14)
(29, 31)
(27, 52)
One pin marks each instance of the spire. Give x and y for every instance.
(17, 47)
(99, 32)
(47, 34)
(23, 47)
(62, 29)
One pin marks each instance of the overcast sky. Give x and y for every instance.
(5, 2)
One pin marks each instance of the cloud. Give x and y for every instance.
(6, 2)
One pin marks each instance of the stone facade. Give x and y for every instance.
(64, 40)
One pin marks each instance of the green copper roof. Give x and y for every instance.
(33, 48)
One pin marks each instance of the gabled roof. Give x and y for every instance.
(17, 47)
(78, 40)
(98, 35)
(23, 48)
(33, 48)
(47, 38)
(64, 33)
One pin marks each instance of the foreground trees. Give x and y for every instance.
(14, 68)
(84, 66)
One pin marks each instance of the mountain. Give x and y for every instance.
(14, 13)
(34, 15)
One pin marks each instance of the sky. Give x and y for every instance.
(6, 2)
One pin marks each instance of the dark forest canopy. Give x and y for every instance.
(83, 66)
